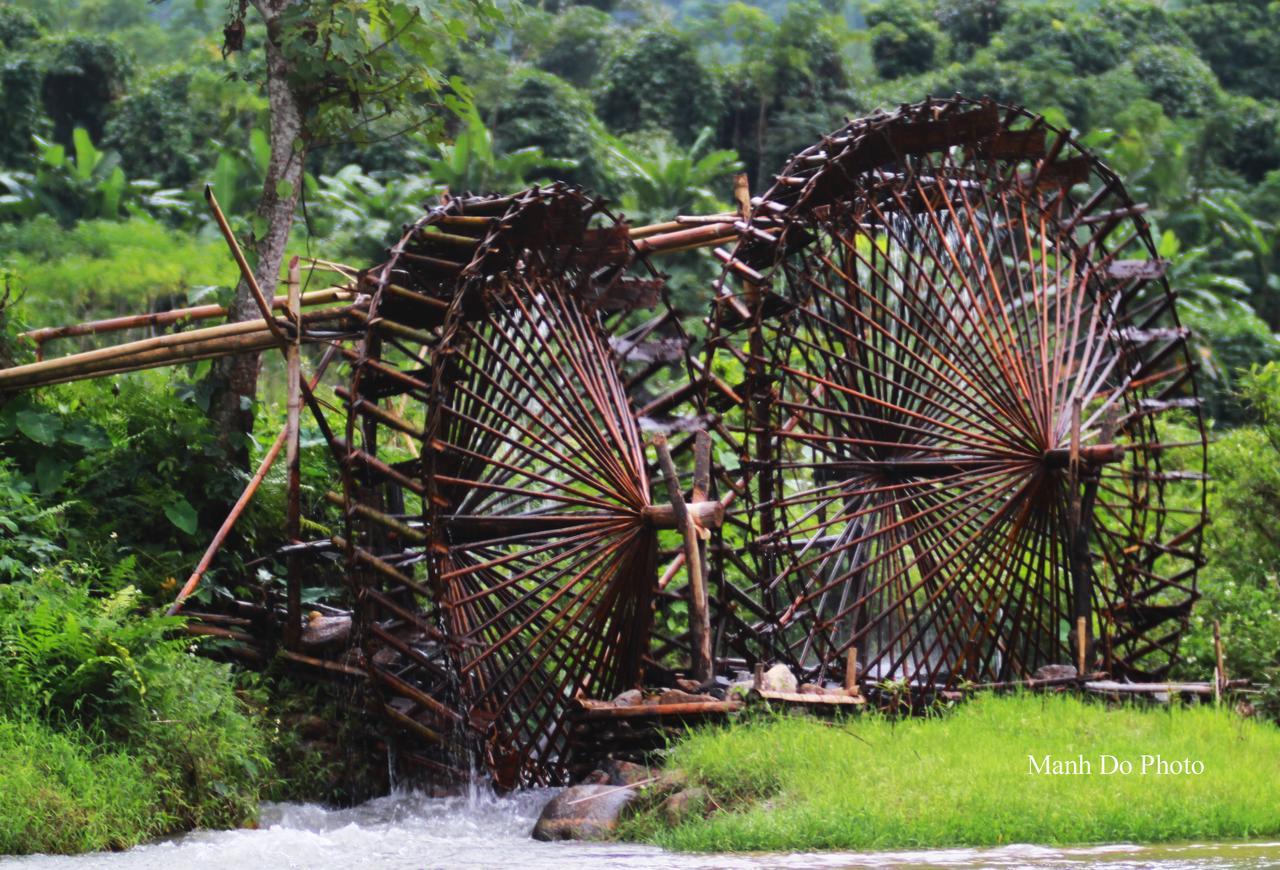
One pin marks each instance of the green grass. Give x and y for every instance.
(61, 793)
(106, 268)
(870, 783)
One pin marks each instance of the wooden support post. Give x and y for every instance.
(1220, 668)
(758, 681)
(701, 466)
(699, 623)
(293, 507)
(1082, 645)
(1083, 493)
(742, 195)
(851, 671)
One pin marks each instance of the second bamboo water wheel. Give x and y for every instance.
(964, 381)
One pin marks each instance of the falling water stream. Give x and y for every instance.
(410, 831)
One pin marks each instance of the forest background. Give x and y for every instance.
(117, 112)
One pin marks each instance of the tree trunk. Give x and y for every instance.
(235, 379)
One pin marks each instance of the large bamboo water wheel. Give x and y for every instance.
(965, 381)
(500, 532)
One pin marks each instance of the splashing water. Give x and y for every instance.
(479, 830)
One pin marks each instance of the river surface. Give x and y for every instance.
(408, 832)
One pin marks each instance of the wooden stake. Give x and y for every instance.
(758, 681)
(1081, 646)
(851, 671)
(1220, 672)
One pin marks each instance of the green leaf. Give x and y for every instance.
(87, 156)
(284, 188)
(50, 472)
(182, 515)
(40, 427)
(112, 192)
(260, 148)
(86, 435)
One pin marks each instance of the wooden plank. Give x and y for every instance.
(644, 711)
(829, 699)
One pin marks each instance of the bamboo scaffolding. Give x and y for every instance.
(242, 502)
(175, 316)
(205, 343)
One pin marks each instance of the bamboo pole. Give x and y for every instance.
(687, 239)
(176, 347)
(156, 359)
(168, 318)
(699, 623)
(250, 279)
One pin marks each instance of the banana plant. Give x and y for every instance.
(472, 164)
(662, 179)
(360, 210)
(86, 184)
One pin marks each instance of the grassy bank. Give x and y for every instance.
(112, 731)
(964, 779)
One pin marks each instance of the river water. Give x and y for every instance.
(409, 832)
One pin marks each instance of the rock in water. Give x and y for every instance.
(779, 679)
(583, 812)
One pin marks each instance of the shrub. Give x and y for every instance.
(1177, 79)
(83, 76)
(904, 38)
(970, 23)
(1240, 584)
(153, 132)
(1247, 137)
(102, 268)
(63, 792)
(657, 80)
(82, 659)
(18, 28)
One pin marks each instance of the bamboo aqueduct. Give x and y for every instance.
(925, 433)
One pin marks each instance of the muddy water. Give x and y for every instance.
(407, 832)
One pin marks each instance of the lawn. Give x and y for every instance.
(966, 778)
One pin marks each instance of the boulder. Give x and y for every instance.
(1055, 672)
(668, 782)
(779, 679)
(685, 804)
(619, 772)
(583, 812)
(320, 630)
